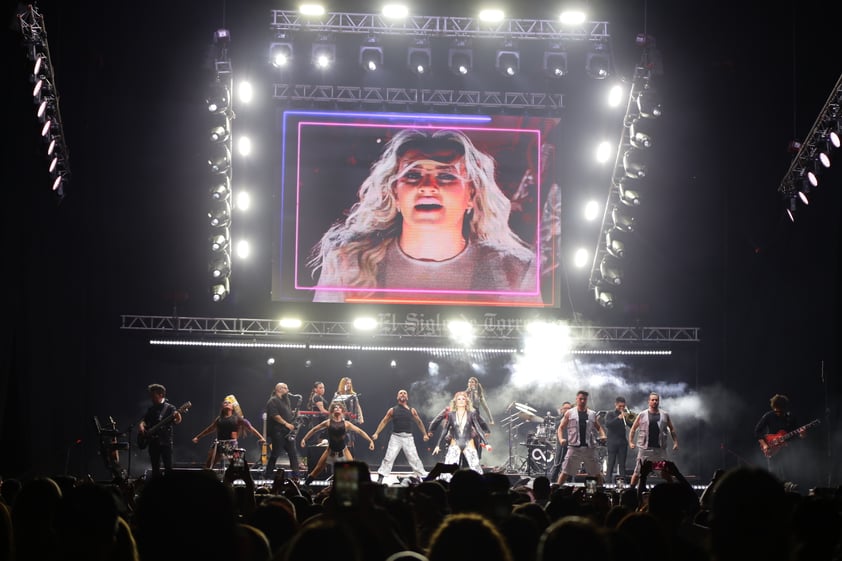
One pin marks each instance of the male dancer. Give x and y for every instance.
(402, 416)
(652, 440)
(577, 427)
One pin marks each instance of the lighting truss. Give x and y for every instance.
(511, 331)
(614, 204)
(46, 96)
(438, 26)
(809, 150)
(286, 23)
(221, 108)
(357, 95)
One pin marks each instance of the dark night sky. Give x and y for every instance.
(715, 249)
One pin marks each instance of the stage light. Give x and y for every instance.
(634, 164)
(834, 133)
(371, 55)
(280, 54)
(311, 9)
(581, 258)
(555, 63)
(598, 62)
(418, 58)
(628, 191)
(572, 17)
(220, 159)
(220, 128)
(460, 58)
(615, 243)
(219, 290)
(365, 323)
(491, 15)
(42, 88)
(640, 133)
(604, 297)
(220, 242)
(508, 60)
(323, 53)
(395, 11)
(624, 221)
(218, 98)
(610, 270)
(220, 266)
(220, 214)
(811, 174)
(825, 147)
(221, 189)
(648, 103)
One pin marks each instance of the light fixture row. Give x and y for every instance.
(45, 96)
(219, 105)
(420, 55)
(814, 156)
(625, 194)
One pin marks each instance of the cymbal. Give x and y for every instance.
(530, 417)
(523, 408)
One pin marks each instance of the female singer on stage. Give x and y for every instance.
(229, 426)
(462, 425)
(337, 450)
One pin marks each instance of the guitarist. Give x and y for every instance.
(280, 419)
(161, 443)
(777, 421)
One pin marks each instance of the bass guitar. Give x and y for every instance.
(775, 442)
(144, 438)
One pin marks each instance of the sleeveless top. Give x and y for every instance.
(336, 435)
(401, 419)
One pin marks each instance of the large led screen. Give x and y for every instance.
(417, 209)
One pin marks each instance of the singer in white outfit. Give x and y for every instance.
(401, 416)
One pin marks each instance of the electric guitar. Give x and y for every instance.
(144, 438)
(777, 441)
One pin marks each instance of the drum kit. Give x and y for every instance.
(540, 444)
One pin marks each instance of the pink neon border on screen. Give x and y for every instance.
(537, 291)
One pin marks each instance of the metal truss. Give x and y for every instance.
(639, 82)
(826, 121)
(388, 329)
(357, 95)
(438, 26)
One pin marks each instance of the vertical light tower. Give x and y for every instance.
(221, 114)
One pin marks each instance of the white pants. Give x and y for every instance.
(406, 442)
(471, 456)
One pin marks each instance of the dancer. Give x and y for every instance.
(462, 425)
(337, 449)
(402, 415)
(652, 441)
(577, 429)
